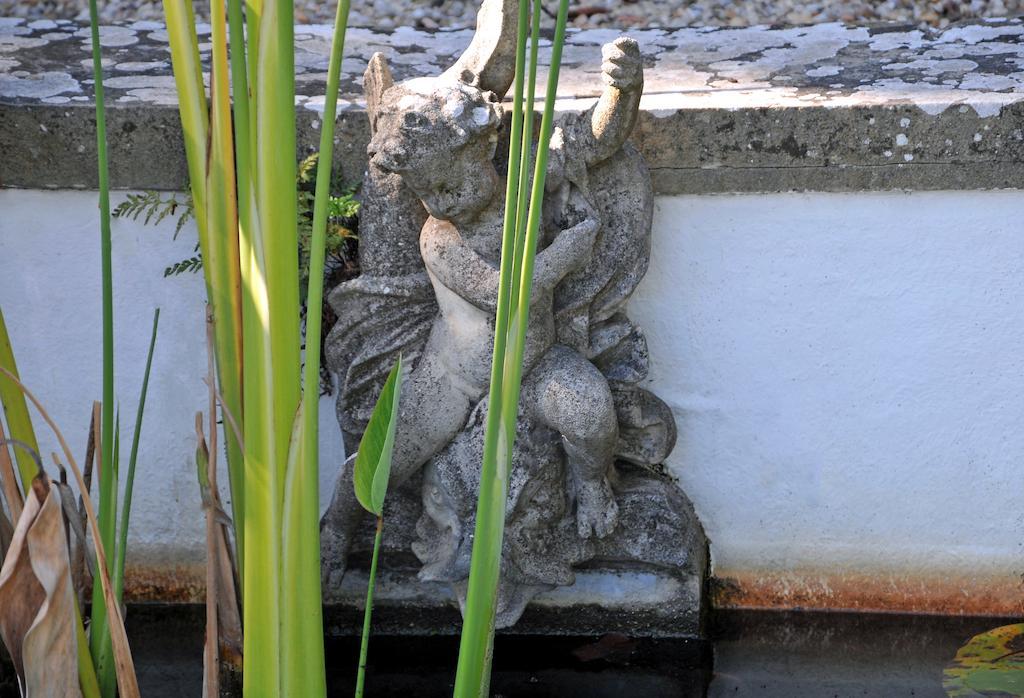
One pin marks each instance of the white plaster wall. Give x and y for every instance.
(847, 369)
(50, 294)
(847, 372)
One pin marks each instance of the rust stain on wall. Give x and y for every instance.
(165, 583)
(832, 590)
(839, 590)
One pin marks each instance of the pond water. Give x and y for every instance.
(763, 654)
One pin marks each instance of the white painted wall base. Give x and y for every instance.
(847, 371)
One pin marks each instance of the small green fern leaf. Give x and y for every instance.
(192, 264)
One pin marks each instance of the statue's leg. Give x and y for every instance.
(431, 411)
(338, 526)
(567, 393)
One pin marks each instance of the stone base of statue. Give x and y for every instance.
(647, 578)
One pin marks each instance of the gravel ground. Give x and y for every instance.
(432, 14)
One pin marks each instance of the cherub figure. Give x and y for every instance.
(434, 142)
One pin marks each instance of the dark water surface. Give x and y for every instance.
(764, 654)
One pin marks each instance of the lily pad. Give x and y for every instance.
(990, 665)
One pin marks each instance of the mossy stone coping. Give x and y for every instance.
(827, 107)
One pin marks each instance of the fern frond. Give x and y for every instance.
(154, 208)
(192, 264)
(186, 215)
(307, 168)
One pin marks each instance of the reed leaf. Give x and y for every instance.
(244, 203)
(372, 468)
(473, 671)
(242, 166)
(129, 484)
(476, 645)
(302, 621)
(19, 423)
(371, 474)
(100, 642)
(221, 252)
(271, 383)
(211, 166)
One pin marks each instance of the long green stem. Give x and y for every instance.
(126, 508)
(520, 317)
(100, 632)
(302, 621)
(87, 680)
(476, 647)
(220, 249)
(275, 489)
(525, 151)
(364, 643)
(275, 160)
(271, 338)
(473, 673)
(243, 171)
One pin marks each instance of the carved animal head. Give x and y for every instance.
(439, 134)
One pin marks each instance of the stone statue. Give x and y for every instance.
(585, 482)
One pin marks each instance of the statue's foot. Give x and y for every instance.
(334, 546)
(596, 510)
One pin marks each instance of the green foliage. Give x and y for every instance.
(370, 476)
(990, 664)
(342, 219)
(191, 265)
(153, 207)
(15, 411)
(100, 643)
(521, 228)
(344, 206)
(240, 141)
(341, 237)
(373, 460)
(126, 507)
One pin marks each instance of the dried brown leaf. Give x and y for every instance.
(6, 533)
(37, 603)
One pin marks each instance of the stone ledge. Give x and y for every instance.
(826, 107)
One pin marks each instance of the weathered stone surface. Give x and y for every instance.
(582, 490)
(826, 107)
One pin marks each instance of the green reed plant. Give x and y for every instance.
(521, 228)
(242, 180)
(100, 644)
(99, 634)
(370, 477)
(104, 660)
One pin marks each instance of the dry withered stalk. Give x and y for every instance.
(127, 683)
(8, 480)
(223, 617)
(82, 573)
